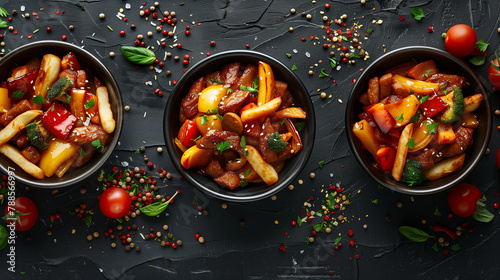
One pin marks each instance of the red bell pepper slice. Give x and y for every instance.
(433, 105)
(91, 107)
(24, 84)
(70, 62)
(58, 121)
(382, 117)
(423, 70)
(385, 158)
(188, 133)
(450, 233)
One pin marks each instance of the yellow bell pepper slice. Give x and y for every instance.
(59, 152)
(403, 110)
(210, 98)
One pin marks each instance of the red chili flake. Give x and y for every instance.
(29, 36)
(408, 22)
(430, 29)
(327, 6)
(58, 12)
(282, 248)
(52, 217)
(356, 256)
(200, 208)
(495, 193)
(125, 19)
(115, 169)
(174, 82)
(312, 37)
(328, 30)
(303, 39)
(63, 37)
(450, 215)
(353, 81)
(15, 32)
(310, 219)
(445, 252)
(401, 18)
(150, 164)
(311, 198)
(336, 21)
(350, 232)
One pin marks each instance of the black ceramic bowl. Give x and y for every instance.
(22, 55)
(446, 63)
(205, 183)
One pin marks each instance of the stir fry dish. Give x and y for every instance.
(416, 122)
(239, 125)
(54, 116)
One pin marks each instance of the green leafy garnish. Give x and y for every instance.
(294, 67)
(414, 234)
(97, 143)
(38, 99)
(222, 146)
(426, 75)
(250, 89)
(478, 60)
(333, 62)
(138, 55)
(482, 45)
(337, 240)
(275, 143)
(321, 163)
(89, 104)
(411, 143)
(400, 117)
(369, 31)
(299, 221)
(156, 208)
(204, 120)
(18, 94)
(289, 54)
(196, 139)
(323, 74)
(299, 126)
(422, 100)
(3, 12)
(436, 212)
(432, 128)
(82, 152)
(375, 201)
(417, 13)
(354, 55)
(415, 118)
(216, 81)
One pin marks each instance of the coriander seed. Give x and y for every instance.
(102, 15)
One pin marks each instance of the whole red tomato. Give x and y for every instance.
(114, 203)
(460, 40)
(494, 75)
(462, 199)
(24, 211)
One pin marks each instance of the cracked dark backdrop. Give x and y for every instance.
(251, 251)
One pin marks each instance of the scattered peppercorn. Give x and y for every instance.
(102, 16)
(112, 54)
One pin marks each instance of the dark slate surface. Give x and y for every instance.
(233, 251)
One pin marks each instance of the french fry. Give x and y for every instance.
(445, 167)
(260, 111)
(17, 125)
(266, 84)
(18, 158)
(47, 75)
(105, 113)
(472, 102)
(399, 162)
(264, 169)
(291, 112)
(65, 166)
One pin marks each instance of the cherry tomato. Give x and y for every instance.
(460, 40)
(188, 132)
(462, 199)
(25, 211)
(114, 203)
(494, 76)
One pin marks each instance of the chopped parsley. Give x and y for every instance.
(252, 90)
(204, 120)
(411, 143)
(97, 143)
(18, 94)
(422, 100)
(222, 146)
(415, 118)
(289, 54)
(196, 139)
(89, 104)
(38, 100)
(432, 128)
(400, 117)
(321, 163)
(482, 45)
(375, 201)
(294, 67)
(369, 31)
(216, 81)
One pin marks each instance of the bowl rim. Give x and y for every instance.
(304, 155)
(119, 123)
(396, 186)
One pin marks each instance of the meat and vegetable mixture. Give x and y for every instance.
(239, 125)
(55, 116)
(416, 122)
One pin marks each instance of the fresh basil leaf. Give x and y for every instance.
(156, 208)
(482, 215)
(299, 221)
(317, 227)
(414, 234)
(417, 13)
(478, 60)
(138, 55)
